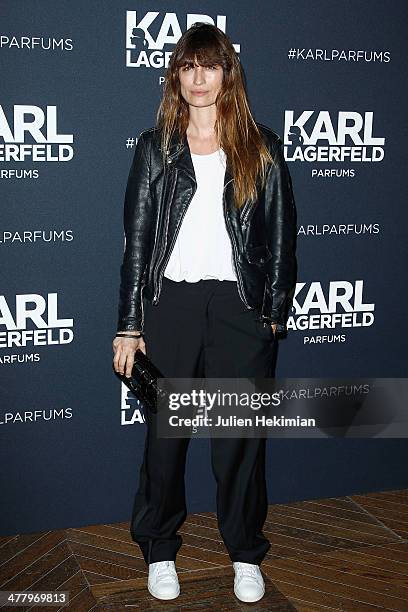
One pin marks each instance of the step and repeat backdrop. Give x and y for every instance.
(79, 82)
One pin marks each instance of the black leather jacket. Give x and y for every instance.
(263, 234)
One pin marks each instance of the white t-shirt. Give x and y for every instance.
(203, 247)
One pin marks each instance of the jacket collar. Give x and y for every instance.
(179, 156)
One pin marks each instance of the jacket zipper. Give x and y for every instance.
(159, 277)
(156, 271)
(232, 239)
(141, 299)
(245, 212)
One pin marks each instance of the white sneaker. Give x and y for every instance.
(163, 581)
(249, 584)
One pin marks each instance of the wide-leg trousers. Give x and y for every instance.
(198, 330)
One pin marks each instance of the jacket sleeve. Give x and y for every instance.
(282, 266)
(136, 224)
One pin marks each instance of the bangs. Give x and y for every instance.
(208, 55)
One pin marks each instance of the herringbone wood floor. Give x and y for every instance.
(346, 553)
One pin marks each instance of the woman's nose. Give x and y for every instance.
(198, 75)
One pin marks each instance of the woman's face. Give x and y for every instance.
(199, 85)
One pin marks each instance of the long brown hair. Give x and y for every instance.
(236, 131)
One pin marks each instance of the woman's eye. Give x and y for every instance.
(187, 67)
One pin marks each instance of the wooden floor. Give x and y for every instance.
(346, 553)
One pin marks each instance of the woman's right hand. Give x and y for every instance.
(124, 352)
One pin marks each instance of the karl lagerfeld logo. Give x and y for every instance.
(147, 35)
(131, 410)
(43, 318)
(31, 133)
(323, 137)
(339, 305)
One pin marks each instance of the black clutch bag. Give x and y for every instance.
(143, 381)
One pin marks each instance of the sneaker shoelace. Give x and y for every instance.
(163, 568)
(247, 570)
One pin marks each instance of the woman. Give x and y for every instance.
(207, 275)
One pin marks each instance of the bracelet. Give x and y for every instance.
(125, 335)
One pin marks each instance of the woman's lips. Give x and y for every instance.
(198, 93)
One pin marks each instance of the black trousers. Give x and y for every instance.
(198, 330)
